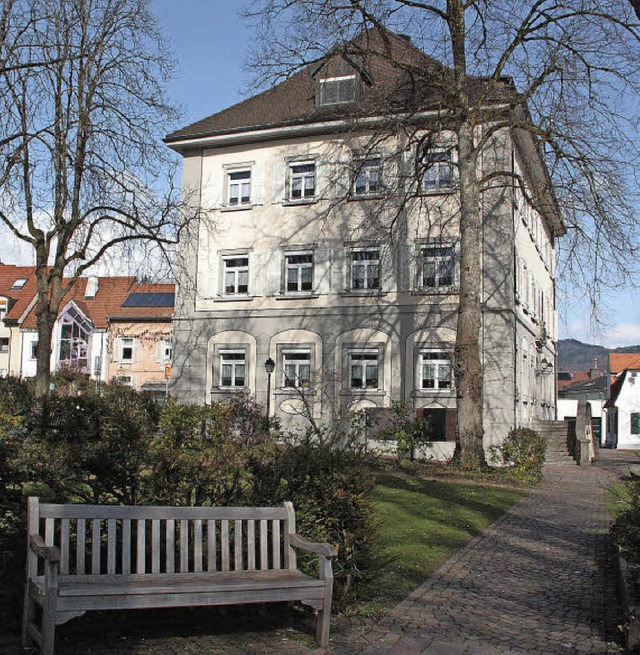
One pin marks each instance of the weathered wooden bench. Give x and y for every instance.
(93, 557)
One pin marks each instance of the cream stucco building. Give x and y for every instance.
(329, 240)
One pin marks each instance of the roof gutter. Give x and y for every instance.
(135, 319)
(248, 135)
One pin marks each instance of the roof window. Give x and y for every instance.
(19, 283)
(337, 90)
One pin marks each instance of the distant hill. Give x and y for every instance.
(573, 355)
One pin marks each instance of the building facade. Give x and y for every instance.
(330, 245)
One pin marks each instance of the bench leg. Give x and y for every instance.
(322, 627)
(48, 624)
(28, 615)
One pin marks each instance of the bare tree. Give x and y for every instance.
(83, 169)
(565, 74)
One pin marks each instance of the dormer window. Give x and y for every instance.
(19, 283)
(337, 90)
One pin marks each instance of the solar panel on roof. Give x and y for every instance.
(155, 299)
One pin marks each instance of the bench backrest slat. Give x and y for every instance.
(115, 540)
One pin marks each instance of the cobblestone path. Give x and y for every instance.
(540, 580)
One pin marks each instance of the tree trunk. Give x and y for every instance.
(468, 369)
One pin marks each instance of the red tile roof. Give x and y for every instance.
(19, 299)
(112, 292)
(620, 361)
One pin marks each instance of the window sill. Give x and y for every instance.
(295, 392)
(424, 393)
(439, 191)
(238, 298)
(367, 196)
(229, 390)
(302, 201)
(297, 296)
(367, 293)
(376, 393)
(238, 208)
(435, 292)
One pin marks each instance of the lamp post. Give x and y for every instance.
(269, 367)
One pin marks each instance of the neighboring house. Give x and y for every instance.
(595, 390)
(624, 401)
(295, 260)
(107, 327)
(17, 292)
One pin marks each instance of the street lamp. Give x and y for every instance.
(269, 367)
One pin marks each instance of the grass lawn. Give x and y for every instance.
(422, 522)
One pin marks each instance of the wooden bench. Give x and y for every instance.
(93, 557)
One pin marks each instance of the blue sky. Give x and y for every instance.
(212, 43)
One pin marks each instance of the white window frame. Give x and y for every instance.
(34, 350)
(367, 266)
(4, 349)
(298, 269)
(340, 82)
(165, 345)
(126, 343)
(361, 357)
(449, 254)
(127, 380)
(292, 357)
(235, 185)
(237, 271)
(3, 309)
(437, 169)
(440, 382)
(364, 172)
(233, 361)
(19, 283)
(307, 193)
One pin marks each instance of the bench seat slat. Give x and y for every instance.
(178, 583)
(162, 513)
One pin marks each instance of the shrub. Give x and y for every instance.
(200, 454)
(523, 450)
(330, 485)
(625, 529)
(409, 433)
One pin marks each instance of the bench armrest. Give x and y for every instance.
(48, 553)
(323, 549)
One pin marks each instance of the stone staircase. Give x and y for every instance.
(560, 436)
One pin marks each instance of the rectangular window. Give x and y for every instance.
(437, 165)
(34, 350)
(3, 309)
(368, 179)
(365, 269)
(236, 275)
(239, 188)
(165, 347)
(126, 349)
(302, 181)
(19, 283)
(438, 267)
(299, 272)
(296, 366)
(4, 344)
(363, 369)
(436, 369)
(127, 380)
(233, 368)
(635, 422)
(337, 90)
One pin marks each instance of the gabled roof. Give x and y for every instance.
(21, 298)
(616, 387)
(583, 386)
(395, 77)
(108, 301)
(620, 361)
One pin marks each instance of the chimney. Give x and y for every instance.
(92, 287)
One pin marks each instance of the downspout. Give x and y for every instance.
(514, 272)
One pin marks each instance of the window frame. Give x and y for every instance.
(437, 287)
(364, 355)
(19, 283)
(126, 343)
(4, 345)
(298, 381)
(229, 183)
(236, 362)
(303, 176)
(237, 270)
(437, 159)
(636, 416)
(353, 265)
(336, 80)
(299, 267)
(438, 365)
(363, 166)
